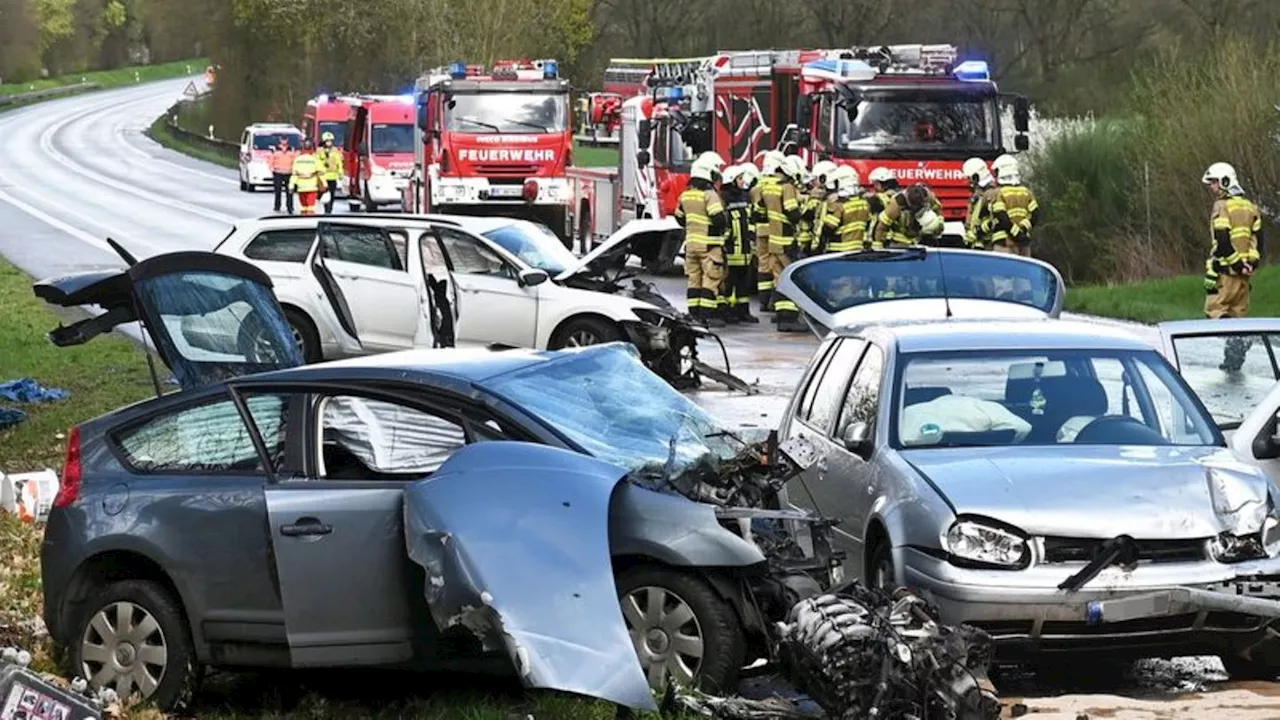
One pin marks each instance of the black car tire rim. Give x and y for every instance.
(666, 633)
(124, 648)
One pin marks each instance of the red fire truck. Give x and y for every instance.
(328, 113)
(599, 118)
(494, 142)
(910, 108)
(379, 150)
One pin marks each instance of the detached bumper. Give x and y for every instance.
(1026, 613)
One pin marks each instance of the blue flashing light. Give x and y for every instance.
(458, 71)
(677, 93)
(550, 69)
(973, 71)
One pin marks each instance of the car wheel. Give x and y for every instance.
(133, 639)
(584, 331)
(880, 570)
(681, 629)
(305, 335)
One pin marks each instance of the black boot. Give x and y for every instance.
(744, 314)
(730, 314)
(789, 322)
(714, 318)
(766, 301)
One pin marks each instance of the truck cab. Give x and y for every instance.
(379, 150)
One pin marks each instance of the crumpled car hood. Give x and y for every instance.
(1094, 491)
(514, 538)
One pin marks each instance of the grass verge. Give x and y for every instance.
(163, 134)
(590, 157)
(108, 373)
(1153, 301)
(112, 78)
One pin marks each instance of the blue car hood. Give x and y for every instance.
(1096, 491)
(514, 539)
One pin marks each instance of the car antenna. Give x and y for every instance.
(942, 277)
(130, 260)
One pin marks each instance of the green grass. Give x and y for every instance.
(161, 133)
(586, 156)
(112, 78)
(1178, 298)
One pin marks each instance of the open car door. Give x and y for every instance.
(337, 302)
(920, 283)
(1232, 364)
(210, 317)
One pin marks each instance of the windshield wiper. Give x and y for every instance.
(481, 123)
(543, 128)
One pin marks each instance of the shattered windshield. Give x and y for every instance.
(921, 121)
(508, 112)
(535, 245)
(606, 401)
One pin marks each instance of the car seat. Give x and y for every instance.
(923, 394)
(1065, 397)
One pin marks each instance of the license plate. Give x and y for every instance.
(505, 191)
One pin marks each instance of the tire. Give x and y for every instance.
(584, 331)
(174, 674)
(304, 333)
(880, 570)
(710, 619)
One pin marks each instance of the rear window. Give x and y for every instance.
(208, 438)
(281, 245)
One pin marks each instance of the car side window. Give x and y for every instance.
(366, 439)
(364, 246)
(862, 402)
(206, 438)
(281, 245)
(470, 257)
(400, 241)
(811, 390)
(831, 389)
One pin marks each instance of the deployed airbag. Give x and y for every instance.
(514, 538)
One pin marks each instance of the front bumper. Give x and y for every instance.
(1026, 613)
(387, 189)
(259, 175)
(476, 190)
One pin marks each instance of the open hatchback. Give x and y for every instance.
(209, 317)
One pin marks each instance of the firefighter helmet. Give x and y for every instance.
(711, 157)
(326, 137)
(773, 159)
(1008, 175)
(702, 171)
(1223, 173)
(731, 174)
(750, 170)
(794, 168)
(846, 179)
(823, 169)
(977, 172)
(1005, 160)
(881, 175)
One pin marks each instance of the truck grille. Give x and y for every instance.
(1059, 549)
(504, 170)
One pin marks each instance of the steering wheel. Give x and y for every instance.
(1118, 430)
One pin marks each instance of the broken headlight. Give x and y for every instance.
(654, 330)
(1229, 548)
(973, 543)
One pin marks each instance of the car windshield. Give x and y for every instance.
(607, 402)
(1055, 397)
(843, 282)
(271, 141)
(508, 112)
(919, 121)
(392, 138)
(535, 245)
(339, 130)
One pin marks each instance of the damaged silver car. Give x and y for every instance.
(564, 513)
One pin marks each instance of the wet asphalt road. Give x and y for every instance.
(76, 170)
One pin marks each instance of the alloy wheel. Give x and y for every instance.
(581, 338)
(666, 635)
(124, 649)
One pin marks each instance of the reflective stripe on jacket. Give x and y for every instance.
(697, 209)
(846, 220)
(1241, 219)
(783, 205)
(331, 162)
(306, 173)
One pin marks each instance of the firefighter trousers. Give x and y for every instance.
(280, 186)
(332, 195)
(704, 271)
(764, 276)
(307, 200)
(1231, 300)
(739, 287)
(778, 258)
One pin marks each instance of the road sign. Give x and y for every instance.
(191, 91)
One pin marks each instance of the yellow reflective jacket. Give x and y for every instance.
(306, 173)
(331, 162)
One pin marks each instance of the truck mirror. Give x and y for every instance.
(422, 118)
(804, 138)
(644, 133)
(804, 111)
(1021, 142)
(642, 158)
(1021, 114)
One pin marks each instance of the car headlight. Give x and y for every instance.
(1229, 548)
(654, 331)
(976, 543)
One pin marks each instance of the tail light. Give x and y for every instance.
(69, 490)
(530, 190)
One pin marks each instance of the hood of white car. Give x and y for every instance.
(618, 245)
(1099, 491)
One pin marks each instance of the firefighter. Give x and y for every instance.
(783, 203)
(305, 178)
(281, 161)
(1014, 212)
(978, 222)
(909, 217)
(844, 224)
(702, 215)
(813, 205)
(1236, 227)
(739, 243)
(330, 159)
(765, 280)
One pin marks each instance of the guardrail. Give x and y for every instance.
(224, 148)
(19, 99)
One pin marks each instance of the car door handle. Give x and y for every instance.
(306, 527)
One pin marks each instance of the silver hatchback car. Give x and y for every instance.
(1018, 471)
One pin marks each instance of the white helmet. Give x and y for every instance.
(846, 180)
(1224, 173)
(731, 173)
(976, 171)
(880, 175)
(749, 171)
(794, 167)
(772, 160)
(712, 158)
(931, 223)
(823, 169)
(1008, 175)
(703, 171)
(1004, 161)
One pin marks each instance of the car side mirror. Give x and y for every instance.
(643, 159)
(1021, 142)
(1266, 446)
(857, 438)
(530, 278)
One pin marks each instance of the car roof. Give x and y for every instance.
(474, 224)
(946, 335)
(274, 126)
